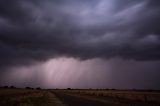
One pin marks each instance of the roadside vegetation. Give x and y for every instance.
(147, 98)
(12, 96)
(27, 97)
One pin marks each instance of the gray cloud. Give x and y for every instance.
(32, 30)
(123, 36)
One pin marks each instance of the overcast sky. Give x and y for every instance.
(80, 43)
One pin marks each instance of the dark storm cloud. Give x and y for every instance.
(36, 30)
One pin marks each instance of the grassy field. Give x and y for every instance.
(144, 97)
(33, 97)
(25, 97)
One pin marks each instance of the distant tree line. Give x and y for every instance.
(13, 87)
(8, 87)
(38, 88)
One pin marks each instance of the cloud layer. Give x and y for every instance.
(36, 30)
(118, 39)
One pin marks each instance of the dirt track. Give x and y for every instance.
(70, 100)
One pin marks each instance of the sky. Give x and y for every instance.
(80, 43)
